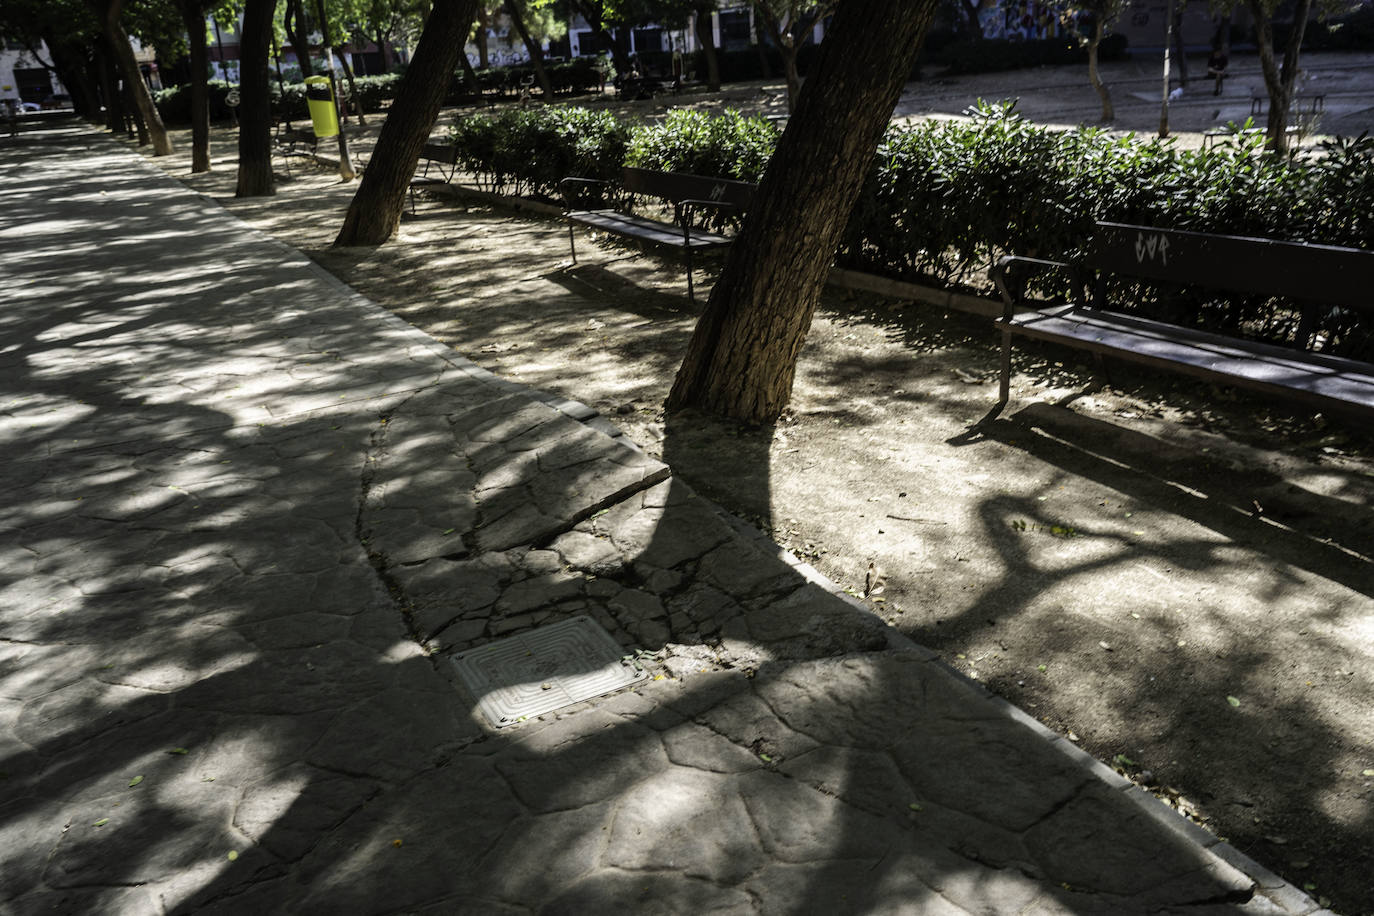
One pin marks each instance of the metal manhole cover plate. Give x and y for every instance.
(545, 669)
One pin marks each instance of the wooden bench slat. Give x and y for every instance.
(1226, 359)
(642, 228)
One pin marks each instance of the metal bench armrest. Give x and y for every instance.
(1013, 288)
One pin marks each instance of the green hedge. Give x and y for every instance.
(529, 150)
(946, 198)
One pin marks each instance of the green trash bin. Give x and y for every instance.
(320, 99)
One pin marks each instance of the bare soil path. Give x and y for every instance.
(1177, 578)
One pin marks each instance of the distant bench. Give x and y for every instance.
(1318, 277)
(441, 156)
(688, 194)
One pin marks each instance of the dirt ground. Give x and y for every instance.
(1178, 578)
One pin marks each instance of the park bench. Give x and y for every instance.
(294, 141)
(688, 195)
(1324, 281)
(444, 158)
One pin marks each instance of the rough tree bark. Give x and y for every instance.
(255, 101)
(742, 357)
(1279, 80)
(517, 18)
(375, 212)
(193, 16)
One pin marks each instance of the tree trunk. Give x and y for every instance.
(193, 15)
(706, 35)
(483, 52)
(517, 19)
(742, 357)
(353, 95)
(133, 79)
(297, 29)
(346, 171)
(1278, 81)
(1094, 77)
(255, 101)
(594, 15)
(375, 212)
(109, 88)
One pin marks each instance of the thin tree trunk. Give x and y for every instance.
(109, 88)
(193, 15)
(1279, 81)
(255, 101)
(742, 357)
(133, 78)
(353, 95)
(346, 171)
(517, 19)
(706, 35)
(375, 212)
(1094, 77)
(297, 29)
(483, 52)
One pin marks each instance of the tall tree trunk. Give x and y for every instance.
(255, 101)
(298, 30)
(193, 15)
(118, 39)
(1279, 81)
(109, 88)
(1180, 55)
(1094, 77)
(742, 357)
(483, 52)
(375, 212)
(353, 94)
(346, 171)
(706, 35)
(517, 19)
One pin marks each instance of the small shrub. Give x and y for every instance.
(529, 150)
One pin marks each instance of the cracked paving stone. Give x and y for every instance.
(540, 856)
(662, 819)
(797, 824)
(579, 760)
(289, 810)
(447, 820)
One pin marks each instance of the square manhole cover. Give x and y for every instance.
(545, 669)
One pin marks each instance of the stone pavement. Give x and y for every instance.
(248, 517)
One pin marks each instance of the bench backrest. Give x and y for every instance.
(677, 186)
(1289, 270)
(446, 153)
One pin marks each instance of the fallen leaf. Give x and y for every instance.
(765, 758)
(396, 842)
(1233, 701)
(1105, 646)
(1042, 668)
(135, 781)
(1368, 773)
(102, 822)
(233, 855)
(915, 807)
(178, 750)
